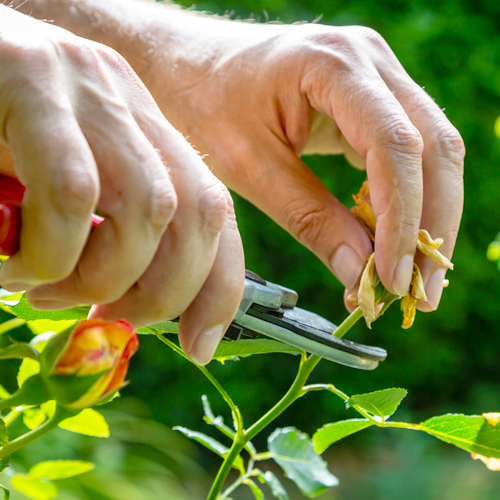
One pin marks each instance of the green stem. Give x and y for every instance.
(14, 415)
(307, 365)
(12, 401)
(342, 395)
(234, 409)
(236, 448)
(11, 324)
(348, 323)
(238, 418)
(296, 391)
(35, 434)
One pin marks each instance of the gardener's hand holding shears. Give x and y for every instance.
(83, 136)
(84, 133)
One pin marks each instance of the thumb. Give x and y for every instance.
(284, 187)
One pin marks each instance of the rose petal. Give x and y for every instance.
(366, 292)
(429, 247)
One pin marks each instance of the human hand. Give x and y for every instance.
(273, 93)
(81, 132)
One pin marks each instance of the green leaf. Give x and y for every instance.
(59, 469)
(68, 389)
(212, 444)
(24, 311)
(28, 368)
(257, 492)
(380, 404)
(45, 325)
(4, 393)
(471, 433)
(6, 294)
(294, 452)
(4, 439)
(218, 423)
(37, 489)
(4, 436)
(230, 349)
(33, 417)
(19, 350)
(89, 422)
(331, 433)
(163, 327)
(273, 482)
(6, 492)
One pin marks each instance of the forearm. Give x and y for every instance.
(149, 34)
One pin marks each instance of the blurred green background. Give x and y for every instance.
(449, 360)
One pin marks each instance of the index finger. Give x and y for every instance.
(54, 162)
(442, 164)
(378, 128)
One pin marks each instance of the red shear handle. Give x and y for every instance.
(11, 196)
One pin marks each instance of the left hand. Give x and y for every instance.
(273, 93)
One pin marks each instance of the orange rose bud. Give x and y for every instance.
(90, 363)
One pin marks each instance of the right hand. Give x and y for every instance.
(81, 132)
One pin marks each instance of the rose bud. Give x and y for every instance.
(86, 366)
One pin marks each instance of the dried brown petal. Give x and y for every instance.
(363, 210)
(430, 247)
(417, 289)
(408, 307)
(366, 292)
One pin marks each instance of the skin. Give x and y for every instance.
(84, 134)
(257, 97)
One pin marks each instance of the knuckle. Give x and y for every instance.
(163, 204)
(333, 48)
(213, 207)
(450, 144)
(373, 37)
(40, 57)
(306, 222)
(75, 191)
(402, 137)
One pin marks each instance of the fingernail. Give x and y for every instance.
(434, 288)
(347, 266)
(205, 345)
(402, 275)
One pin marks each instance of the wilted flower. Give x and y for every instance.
(366, 293)
(363, 212)
(408, 302)
(86, 366)
(430, 247)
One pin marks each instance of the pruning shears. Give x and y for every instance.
(266, 308)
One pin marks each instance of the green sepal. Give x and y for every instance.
(4, 439)
(53, 350)
(6, 492)
(33, 392)
(19, 350)
(67, 389)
